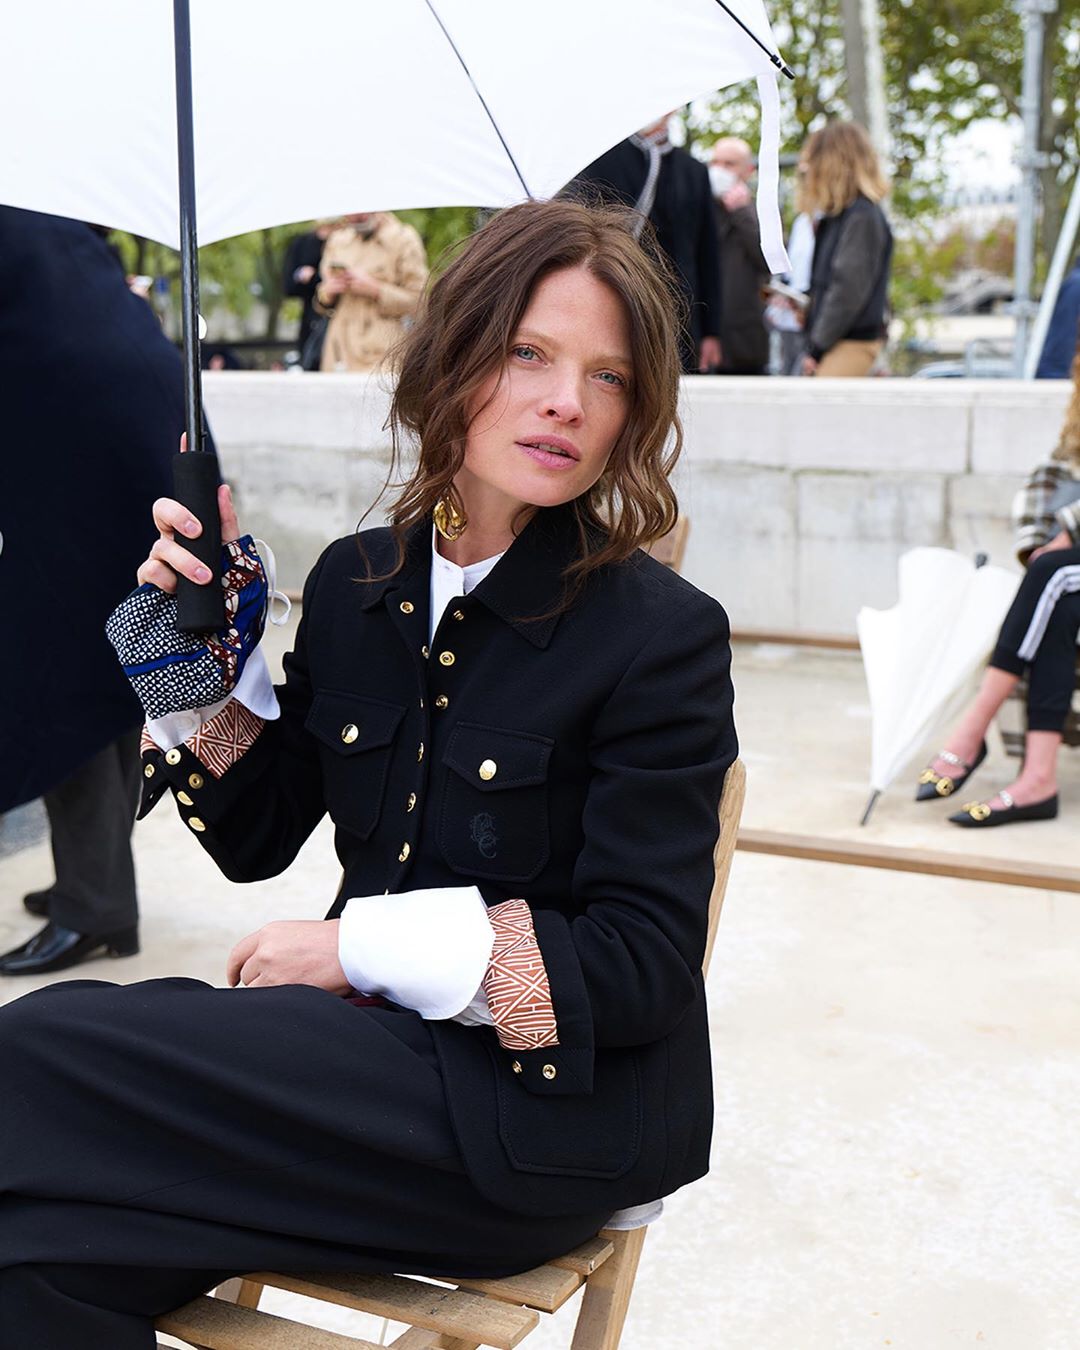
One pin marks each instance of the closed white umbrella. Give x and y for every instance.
(287, 112)
(924, 655)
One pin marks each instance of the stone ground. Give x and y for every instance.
(897, 1057)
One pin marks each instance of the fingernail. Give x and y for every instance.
(191, 527)
(202, 574)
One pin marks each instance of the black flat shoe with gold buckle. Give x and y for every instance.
(933, 786)
(981, 815)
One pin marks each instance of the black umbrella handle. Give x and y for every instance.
(200, 609)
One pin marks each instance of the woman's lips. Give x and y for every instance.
(552, 454)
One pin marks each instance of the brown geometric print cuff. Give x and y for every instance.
(147, 742)
(227, 736)
(516, 983)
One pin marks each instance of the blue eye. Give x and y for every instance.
(524, 351)
(609, 376)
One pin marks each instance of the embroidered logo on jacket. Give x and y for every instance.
(482, 830)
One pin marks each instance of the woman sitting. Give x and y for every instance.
(1038, 638)
(520, 725)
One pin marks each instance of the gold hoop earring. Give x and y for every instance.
(449, 521)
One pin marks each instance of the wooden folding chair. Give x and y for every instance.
(457, 1314)
(670, 547)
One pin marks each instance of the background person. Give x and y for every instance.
(670, 188)
(520, 725)
(372, 273)
(93, 410)
(841, 180)
(301, 274)
(1038, 637)
(744, 338)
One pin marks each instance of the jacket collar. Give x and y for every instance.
(524, 587)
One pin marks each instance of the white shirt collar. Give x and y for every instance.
(448, 580)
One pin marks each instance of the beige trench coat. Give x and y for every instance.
(363, 329)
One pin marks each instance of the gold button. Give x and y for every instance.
(458, 614)
(405, 851)
(420, 753)
(184, 799)
(425, 652)
(148, 772)
(488, 770)
(421, 705)
(446, 658)
(195, 781)
(411, 802)
(516, 1066)
(407, 606)
(442, 701)
(549, 1071)
(350, 733)
(196, 824)
(173, 757)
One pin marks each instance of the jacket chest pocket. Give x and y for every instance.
(356, 741)
(493, 822)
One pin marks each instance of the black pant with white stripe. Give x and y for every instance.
(1039, 636)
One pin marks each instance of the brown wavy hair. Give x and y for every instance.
(1068, 446)
(463, 335)
(839, 163)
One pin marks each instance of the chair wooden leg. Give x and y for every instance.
(607, 1293)
(244, 1293)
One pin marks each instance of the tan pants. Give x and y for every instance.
(848, 359)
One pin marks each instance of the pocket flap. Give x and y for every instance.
(349, 723)
(492, 760)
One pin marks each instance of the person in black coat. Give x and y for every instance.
(93, 410)
(520, 725)
(743, 336)
(301, 274)
(670, 188)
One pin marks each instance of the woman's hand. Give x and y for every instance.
(167, 556)
(809, 365)
(1062, 540)
(302, 951)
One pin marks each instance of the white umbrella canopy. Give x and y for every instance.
(923, 656)
(350, 105)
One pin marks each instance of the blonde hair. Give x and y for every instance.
(838, 164)
(1068, 446)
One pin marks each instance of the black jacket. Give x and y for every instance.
(683, 217)
(849, 283)
(611, 728)
(93, 408)
(744, 271)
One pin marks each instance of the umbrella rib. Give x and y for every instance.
(479, 95)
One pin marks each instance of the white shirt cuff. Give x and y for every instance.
(427, 950)
(254, 689)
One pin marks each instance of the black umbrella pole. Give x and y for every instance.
(196, 474)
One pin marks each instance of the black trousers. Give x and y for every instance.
(90, 819)
(1039, 636)
(160, 1137)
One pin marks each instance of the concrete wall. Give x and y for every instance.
(801, 494)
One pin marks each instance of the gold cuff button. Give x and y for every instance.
(411, 802)
(442, 701)
(407, 606)
(195, 781)
(350, 733)
(196, 824)
(458, 614)
(516, 1066)
(549, 1071)
(420, 752)
(447, 658)
(488, 770)
(405, 851)
(173, 757)
(184, 799)
(148, 772)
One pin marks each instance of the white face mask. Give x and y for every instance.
(722, 180)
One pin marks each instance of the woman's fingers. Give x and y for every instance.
(239, 957)
(180, 560)
(157, 574)
(172, 517)
(230, 526)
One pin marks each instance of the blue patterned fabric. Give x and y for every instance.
(172, 671)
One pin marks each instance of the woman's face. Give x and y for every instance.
(545, 424)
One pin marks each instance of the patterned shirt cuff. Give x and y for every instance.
(516, 983)
(225, 738)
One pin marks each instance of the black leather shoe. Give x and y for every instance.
(933, 786)
(56, 948)
(37, 902)
(981, 815)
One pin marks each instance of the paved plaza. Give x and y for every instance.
(897, 1057)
